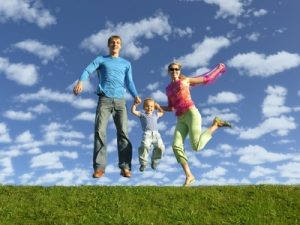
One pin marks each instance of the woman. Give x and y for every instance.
(188, 116)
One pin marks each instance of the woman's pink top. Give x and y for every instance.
(179, 97)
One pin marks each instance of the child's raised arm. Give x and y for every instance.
(161, 112)
(134, 111)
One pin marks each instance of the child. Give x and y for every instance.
(151, 135)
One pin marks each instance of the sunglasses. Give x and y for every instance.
(174, 69)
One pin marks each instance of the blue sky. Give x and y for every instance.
(46, 134)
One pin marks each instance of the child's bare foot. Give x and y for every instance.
(188, 181)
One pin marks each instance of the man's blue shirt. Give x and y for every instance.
(114, 76)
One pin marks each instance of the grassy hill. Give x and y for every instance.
(262, 204)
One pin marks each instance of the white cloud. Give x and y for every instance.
(40, 108)
(290, 170)
(273, 104)
(6, 170)
(183, 32)
(280, 125)
(130, 33)
(253, 36)
(224, 114)
(153, 86)
(4, 133)
(159, 96)
(55, 133)
(87, 116)
(259, 171)
(227, 7)
(255, 64)
(255, 155)
(225, 97)
(259, 13)
(66, 177)
(203, 52)
(47, 95)
(30, 11)
(215, 173)
(25, 137)
(51, 160)
(18, 115)
(23, 74)
(208, 153)
(45, 52)
(131, 124)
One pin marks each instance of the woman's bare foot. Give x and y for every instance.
(188, 181)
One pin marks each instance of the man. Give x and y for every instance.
(114, 75)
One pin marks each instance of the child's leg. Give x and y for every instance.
(197, 139)
(158, 150)
(144, 149)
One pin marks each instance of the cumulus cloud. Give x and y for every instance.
(255, 64)
(66, 177)
(203, 52)
(40, 108)
(280, 125)
(225, 97)
(274, 103)
(183, 32)
(225, 114)
(87, 116)
(153, 86)
(259, 171)
(6, 169)
(159, 96)
(253, 36)
(30, 11)
(260, 12)
(290, 170)
(215, 173)
(130, 32)
(23, 74)
(51, 160)
(47, 95)
(227, 7)
(55, 133)
(255, 155)
(18, 115)
(25, 137)
(4, 134)
(45, 52)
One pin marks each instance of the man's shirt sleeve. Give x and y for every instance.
(91, 68)
(129, 82)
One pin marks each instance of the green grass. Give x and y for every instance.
(262, 204)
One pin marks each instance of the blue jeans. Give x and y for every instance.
(117, 108)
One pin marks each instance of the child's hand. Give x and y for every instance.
(156, 106)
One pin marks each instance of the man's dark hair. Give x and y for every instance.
(113, 37)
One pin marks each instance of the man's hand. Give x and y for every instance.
(137, 100)
(78, 88)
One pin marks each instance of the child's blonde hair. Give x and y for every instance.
(148, 100)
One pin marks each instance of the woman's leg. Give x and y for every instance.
(188, 174)
(198, 139)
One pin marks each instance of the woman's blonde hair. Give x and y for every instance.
(174, 64)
